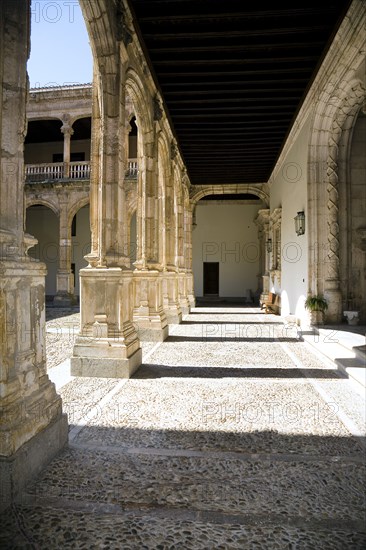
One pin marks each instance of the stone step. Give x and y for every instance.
(300, 488)
(343, 347)
(360, 353)
(91, 526)
(353, 368)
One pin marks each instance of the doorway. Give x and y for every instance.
(211, 278)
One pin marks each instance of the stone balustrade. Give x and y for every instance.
(78, 170)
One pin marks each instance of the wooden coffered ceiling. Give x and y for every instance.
(233, 75)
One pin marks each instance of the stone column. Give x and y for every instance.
(170, 276)
(188, 255)
(108, 345)
(32, 426)
(65, 281)
(67, 131)
(148, 312)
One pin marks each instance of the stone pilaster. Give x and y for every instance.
(32, 426)
(262, 222)
(148, 313)
(171, 301)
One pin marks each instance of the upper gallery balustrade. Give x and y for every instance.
(56, 171)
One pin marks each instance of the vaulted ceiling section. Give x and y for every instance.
(233, 75)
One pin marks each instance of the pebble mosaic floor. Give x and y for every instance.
(231, 435)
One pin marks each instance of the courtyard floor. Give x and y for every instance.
(233, 434)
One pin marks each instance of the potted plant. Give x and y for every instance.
(316, 305)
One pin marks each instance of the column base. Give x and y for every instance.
(173, 315)
(153, 334)
(30, 459)
(334, 298)
(103, 360)
(148, 315)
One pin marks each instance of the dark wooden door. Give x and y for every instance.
(211, 278)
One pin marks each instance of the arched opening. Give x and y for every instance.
(80, 237)
(43, 150)
(226, 249)
(132, 148)
(80, 149)
(43, 224)
(353, 225)
(80, 140)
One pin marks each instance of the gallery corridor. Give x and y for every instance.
(232, 434)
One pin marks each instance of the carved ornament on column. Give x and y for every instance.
(67, 129)
(158, 111)
(346, 110)
(124, 33)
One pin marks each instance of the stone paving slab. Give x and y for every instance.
(54, 528)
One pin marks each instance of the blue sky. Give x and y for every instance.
(60, 50)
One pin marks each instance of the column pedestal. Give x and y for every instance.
(65, 286)
(148, 313)
(172, 308)
(32, 426)
(333, 295)
(108, 345)
(183, 294)
(190, 290)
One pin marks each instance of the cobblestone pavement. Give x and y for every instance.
(231, 435)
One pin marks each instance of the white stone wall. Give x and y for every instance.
(289, 191)
(226, 233)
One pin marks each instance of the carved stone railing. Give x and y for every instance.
(132, 168)
(44, 172)
(80, 170)
(55, 171)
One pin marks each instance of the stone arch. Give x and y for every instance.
(200, 191)
(99, 22)
(332, 128)
(32, 201)
(137, 92)
(75, 209)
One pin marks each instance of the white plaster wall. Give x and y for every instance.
(81, 244)
(226, 233)
(289, 191)
(37, 153)
(42, 223)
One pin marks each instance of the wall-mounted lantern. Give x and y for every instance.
(269, 245)
(300, 223)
